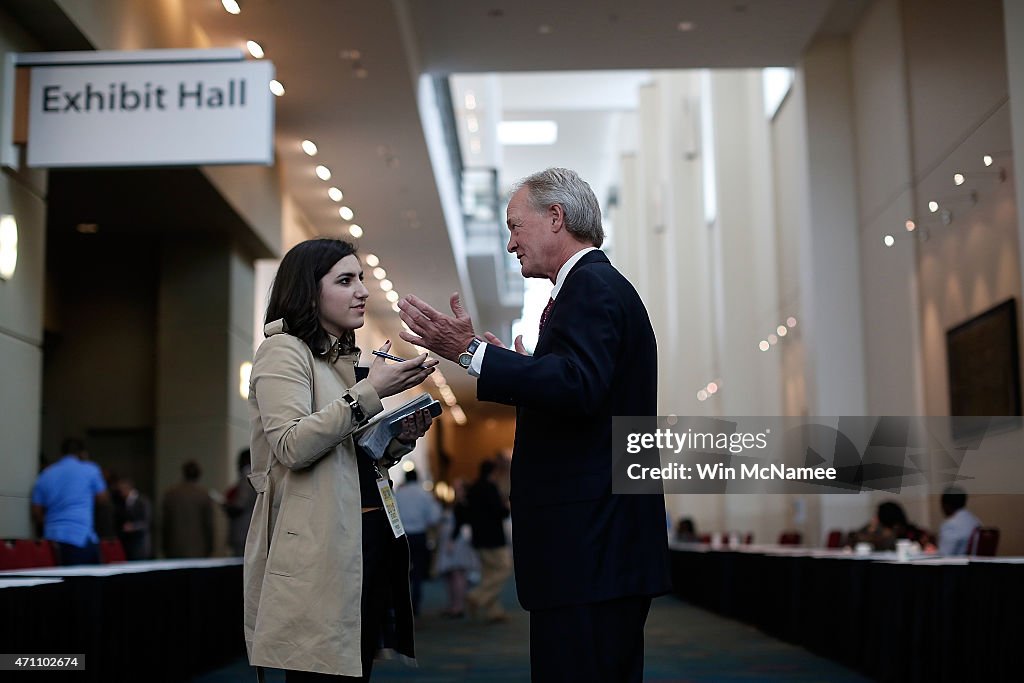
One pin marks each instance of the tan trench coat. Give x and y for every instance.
(303, 554)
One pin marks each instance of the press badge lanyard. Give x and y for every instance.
(387, 497)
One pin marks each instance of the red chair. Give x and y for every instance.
(835, 539)
(748, 539)
(790, 538)
(983, 542)
(43, 553)
(111, 551)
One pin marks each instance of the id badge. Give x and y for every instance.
(387, 497)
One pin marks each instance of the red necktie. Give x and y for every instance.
(544, 316)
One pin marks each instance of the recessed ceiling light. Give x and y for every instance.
(350, 54)
(87, 228)
(764, 345)
(472, 124)
(346, 213)
(933, 206)
(254, 49)
(527, 132)
(911, 226)
(987, 159)
(335, 194)
(686, 26)
(309, 147)
(958, 179)
(231, 6)
(379, 272)
(276, 87)
(470, 101)
(392, 296)
(355, 231)
(544, 29)
(888, 240)
(323, 173)
(372, 260)
(386, 285)
(395, 308)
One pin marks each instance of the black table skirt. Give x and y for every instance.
(164, 625)
(892, 622)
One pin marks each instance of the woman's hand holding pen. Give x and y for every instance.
(394, 378)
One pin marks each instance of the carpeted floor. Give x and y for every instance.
(684, 644)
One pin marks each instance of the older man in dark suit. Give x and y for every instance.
(587, 561)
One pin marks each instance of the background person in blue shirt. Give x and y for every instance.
(62, 504)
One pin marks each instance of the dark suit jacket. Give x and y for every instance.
(572, 540)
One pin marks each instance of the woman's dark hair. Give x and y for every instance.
(295, 294)
(891, 514)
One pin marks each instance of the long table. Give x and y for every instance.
(136, 621)
(941, 619)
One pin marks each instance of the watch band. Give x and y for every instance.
(358, 414)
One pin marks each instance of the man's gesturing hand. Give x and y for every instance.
(444, 335)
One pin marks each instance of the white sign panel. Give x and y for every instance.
(151, 114)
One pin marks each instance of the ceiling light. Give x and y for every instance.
(231, 6)
(472, 124)
(958, 179)
(276, 87)
(309, 147)
(474, 146)
(350, 54)
(254, 49)
(386, 285)
(372, 260)
(470, 101)
(380, 273)
(702, 395)
(395, 308)
(527, 132)
(88, 228)
(987, 159)
(911, 225)
(323, 173)
(355, 230)
(8, 246)
(544, 29)
(790, 322)
(781, 330)
(345, 213)
(772, 339)
(889, 241)
(763, 345)
(392, 296)
(685, 26)
(712, 388)
(933, 206)
(335, 194)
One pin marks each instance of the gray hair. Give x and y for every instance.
(564, 187)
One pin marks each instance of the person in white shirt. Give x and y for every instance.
(956, 531)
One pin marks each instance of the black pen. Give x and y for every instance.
(389, 356)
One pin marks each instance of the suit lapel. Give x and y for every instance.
(595, 256)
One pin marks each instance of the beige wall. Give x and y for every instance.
(21, 327)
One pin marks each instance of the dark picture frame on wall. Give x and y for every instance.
(983, 359)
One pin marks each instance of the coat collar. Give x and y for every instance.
(331, 354)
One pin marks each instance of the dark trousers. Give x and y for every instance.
(72, 554)
(377, 545)
(596, 643)
(419, 567)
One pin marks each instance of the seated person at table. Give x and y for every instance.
(956, 531)
(887, 526)
(686, 532)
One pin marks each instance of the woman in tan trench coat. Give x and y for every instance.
(326, 581)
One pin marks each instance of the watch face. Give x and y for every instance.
(465, 359)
